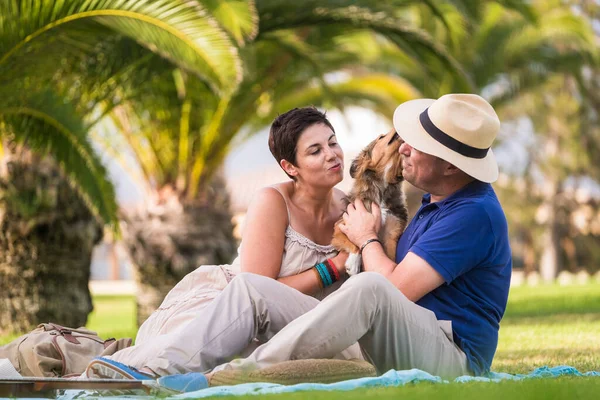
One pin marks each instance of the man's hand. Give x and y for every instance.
(359, 224)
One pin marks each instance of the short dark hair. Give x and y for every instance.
(287, 128)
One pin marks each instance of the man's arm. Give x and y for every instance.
(414, 277)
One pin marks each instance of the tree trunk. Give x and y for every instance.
(550, 259)
(168, 238)
(529, 258)
(46, 239)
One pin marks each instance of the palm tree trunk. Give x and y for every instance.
(169, 238)
(47, 236)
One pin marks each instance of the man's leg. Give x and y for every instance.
(404, 335)
(393, 331)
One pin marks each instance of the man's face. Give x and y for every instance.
(420, 169)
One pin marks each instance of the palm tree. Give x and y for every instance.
(45, 246)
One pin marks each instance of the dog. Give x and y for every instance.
(377, 173)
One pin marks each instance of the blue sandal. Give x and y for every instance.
(105, 368)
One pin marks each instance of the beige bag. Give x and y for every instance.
(52, 350)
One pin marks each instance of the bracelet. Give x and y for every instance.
(322, 278)
(327, 280)
(319, 279)
(334, 269)
(332, 275)
(367, 242)
(326, 275)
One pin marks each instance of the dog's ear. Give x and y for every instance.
(361, 162)
(353, 168)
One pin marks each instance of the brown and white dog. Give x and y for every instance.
(377, 173)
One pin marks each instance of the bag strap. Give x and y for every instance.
(65, 332)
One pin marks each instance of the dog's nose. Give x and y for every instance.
(394, 137)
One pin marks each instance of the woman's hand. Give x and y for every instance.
(359, 224)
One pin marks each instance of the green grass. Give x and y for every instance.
(113, 316)
(550, 325)
(545, 325)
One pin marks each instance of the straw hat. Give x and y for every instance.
(458, 128)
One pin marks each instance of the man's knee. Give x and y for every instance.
(378, 286)
(370, 281)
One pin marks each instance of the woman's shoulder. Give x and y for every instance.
(271, 195)
(284, 188)
(271, 200)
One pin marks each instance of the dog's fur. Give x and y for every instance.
(378, 178)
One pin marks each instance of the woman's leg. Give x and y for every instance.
(184, 302)
(251, 306)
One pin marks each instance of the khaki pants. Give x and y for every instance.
(392, 331)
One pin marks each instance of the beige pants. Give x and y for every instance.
(392, 331)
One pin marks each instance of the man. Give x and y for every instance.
(437, 307)
(454, 257)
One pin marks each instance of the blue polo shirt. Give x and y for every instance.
(465, 239)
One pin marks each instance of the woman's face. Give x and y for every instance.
(319, 157)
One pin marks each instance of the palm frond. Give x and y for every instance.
(180, 30)
(508, 86)
(524, 8)
(416, 42)
(378, 92)
(154, 121)
(238, 17)
(49, 125)
(476, 9)
(560, 30)
(453, 22)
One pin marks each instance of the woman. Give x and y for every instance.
(286, 237)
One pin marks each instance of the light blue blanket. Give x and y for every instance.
(389, 379)
(171, 388)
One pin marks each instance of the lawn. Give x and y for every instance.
(545, 325)
(550, 325)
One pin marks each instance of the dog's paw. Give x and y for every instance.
(353, 264)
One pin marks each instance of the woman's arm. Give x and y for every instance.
(307, 282)
(263, 240)
(263, 235)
